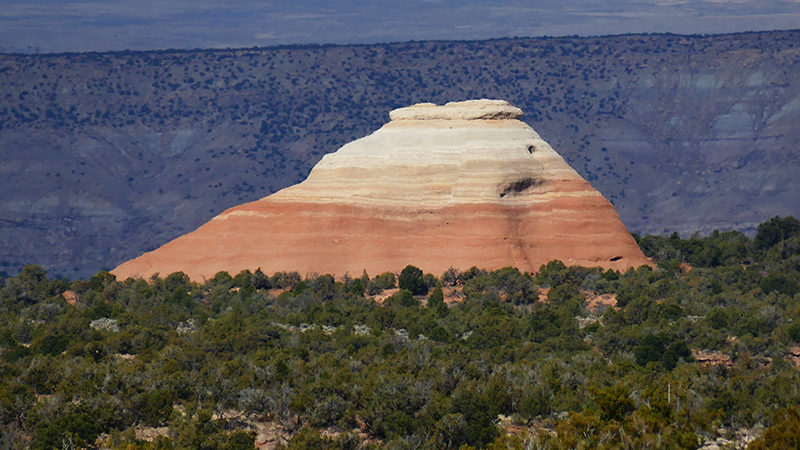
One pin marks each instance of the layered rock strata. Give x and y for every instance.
(460, 185)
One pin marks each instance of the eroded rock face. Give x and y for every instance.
(471, 110)
(459, 185)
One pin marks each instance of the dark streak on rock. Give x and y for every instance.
(519, 186)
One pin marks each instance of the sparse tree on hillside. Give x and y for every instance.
(412, 279)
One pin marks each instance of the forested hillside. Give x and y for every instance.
(703, 347)
(107, 155)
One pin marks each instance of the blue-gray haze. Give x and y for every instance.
(100, 25)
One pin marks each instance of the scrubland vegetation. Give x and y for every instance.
(703, 345)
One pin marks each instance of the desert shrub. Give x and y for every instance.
(776, 230)
(412, 280)
(381, 282)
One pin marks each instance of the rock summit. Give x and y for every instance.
(460, 185)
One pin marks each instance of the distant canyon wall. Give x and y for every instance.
(107, 155)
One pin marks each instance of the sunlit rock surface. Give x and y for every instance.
(460, 185)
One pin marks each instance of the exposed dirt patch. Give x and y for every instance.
(794, 355)
(381, 298)
(149, 433)
(277, 292)
(71, 297)
(596, 304)
(713, 358)
(453, 294)
(543, 294)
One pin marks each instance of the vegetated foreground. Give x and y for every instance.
(702, 347)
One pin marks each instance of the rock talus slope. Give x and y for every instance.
(460, 185)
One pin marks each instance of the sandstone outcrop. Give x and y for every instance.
(460, 185)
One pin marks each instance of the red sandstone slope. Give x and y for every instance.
(456, 186)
